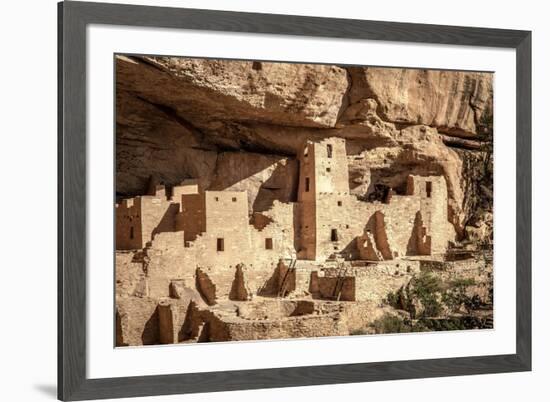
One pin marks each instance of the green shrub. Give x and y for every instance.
(426, 288)
(390, 324)
(448, 324)
(462, 283)
(455, 297)
(429, 293)
(398, 300)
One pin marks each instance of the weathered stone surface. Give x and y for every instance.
(130, 277)
(137, 321)
(453, 102)
(151, 141)
(287, 94)
(418, 149)
(265, 178)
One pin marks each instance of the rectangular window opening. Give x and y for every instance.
(333, 235)
(339, 203)
(307, 184)
(234, 199)
(329, 151)
(269, 243)
(219, 244)
(131, 232)
(429, 189)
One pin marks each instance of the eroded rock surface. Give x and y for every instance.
(266, 178)
(453, 102)
(288, 94)
(188, 118)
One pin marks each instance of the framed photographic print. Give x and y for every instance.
(259, 201)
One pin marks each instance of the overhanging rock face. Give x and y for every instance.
(455, 102)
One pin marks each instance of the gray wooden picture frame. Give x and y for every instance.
(73, 18)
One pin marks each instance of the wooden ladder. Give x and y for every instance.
(291, 267)
(340, 279)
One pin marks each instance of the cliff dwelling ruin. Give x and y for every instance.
(331, 235)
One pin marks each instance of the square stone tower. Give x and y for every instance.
(434, 216)
(324, 182)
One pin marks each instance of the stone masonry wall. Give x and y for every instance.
(307, 188)
(192, 218)
(331, 219)
(433, 194)
(128, 225)
(137, 321)
(291, 327)
(374, 282)
(158, 215)
(165, 261)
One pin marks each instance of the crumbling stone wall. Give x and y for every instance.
(168, 326)
(172, 316)
(476, 269)
(273, 309)
(370, 283)
(280, 230)
(432, 191)
(240, 282)
(158, 216)
(187, 186)
(359, 314)
(341, 288)
(324, 185)
(271, 320)
(165, 259)
(150, 321)
(399, 220)
(129, 274)
(140, 218)
(331, 220)
(307, 201)
(227, 238)
(239, 286)
(128, 229)
(260, 279)
(376, 281)
(138, 320)
(192, 217)
(291, 327)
